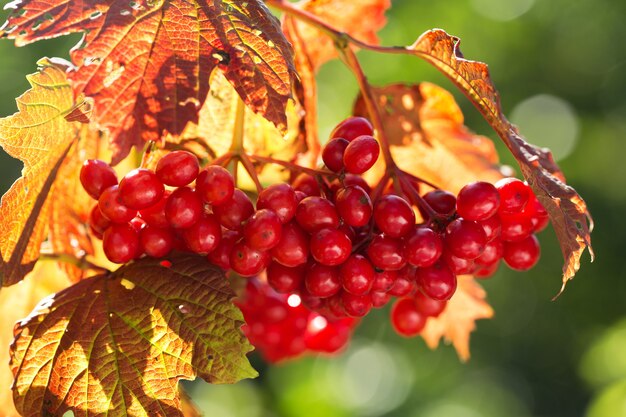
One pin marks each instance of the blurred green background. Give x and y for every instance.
(560, 66)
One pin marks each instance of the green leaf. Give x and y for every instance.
(117, 344)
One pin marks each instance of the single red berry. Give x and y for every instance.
(386, 253)
(384, 280)
(263, 230)
(354, 205)
(235, 211)
(247, 261)
(330, 247)
(177, 168)
(357, 275)
(437, 282)
(326, 336)
(315, 213)
(478, 201)
(351, 179)
(465, 239)
(335, 306)
(492, 253)
(404, 285)
(515, 227)
(394, 216)
(284, 279)
(140, 189)
(522, 255)
(361, 154)
(111, 206)
(428, 306)
(96, 176)
(380, 299)
(215, 185)
(306, 184)
(332, 155)
(351, 128)
(485, 271)
(293, 247)
(220, 256)
(183, 208)
(121, 243)
(156, 242)
(281, 199)
(423, 247)
(441, 201)
(204, 235)
(537, 213)
(322, 281)
(97, 221)
(514, 195)
(356, 305)
(155, 214)
(459, 266)
(406, 319)
(492, 227)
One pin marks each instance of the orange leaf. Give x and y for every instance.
(118, 344)
(424, 126)
(568, 212)
(16, 303)
(458, 320)
(40, 136)
(147, 63)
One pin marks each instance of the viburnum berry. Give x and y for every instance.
(351, 180)
(492, 227)
(284, 279)
(183, 208)
(121, 243)
(437, 282)
(459, 266)
(537, 214)
(156, 242)
(322, 280)
(352, 127)
(215, 185)
(111, 206)
(386, 253)
(492, 253)
(140, 189)
(96, 176)
(293, 247)
(428, 306)
(177, 168)
(361, 154)
(332, 154)
(477, 201)
(465, 239)
(356, 305)
(306, 184)
(380, 298)
(515, 227)
(220, 256)
(330, 247)
(423, 247)
(514, 195)
(404, 284)
(384, 280)
(97, 221)
(394, 216)
(315, 213)
(522, 255)
(406, 319)
(281, 199)
(155, 214)
(442, 202)
(234, 212)
(263, 230)
(354, 205)
(247, 261)
(204, 235)
(357, 275)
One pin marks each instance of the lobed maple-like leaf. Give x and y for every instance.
(147, 63)
(39, 135)
(118, 344)
(458, 320)
(568, 212)
(424, 126)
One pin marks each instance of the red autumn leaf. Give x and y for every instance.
(118, 344)
(568, 212)
(147, 63)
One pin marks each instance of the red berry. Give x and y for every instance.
(515, 227)
(354, 205)
(394, 216)
(492, 253)
(384, 280)
(459, 266)
(361, 154)
(330, 247)
(428, 306)
(323, 335)
(121, 243)
(140, 189)
(423, 247)
(465, 239)
(263, 230)
(514, 195)
(357, 275)
(404, 285)
(96, 176)
(386, 253)
(177, 168)
(315, 213)
(437, 282)
(220, 256)
(522, 255)
(155, 214)
(441, 201)
(215, 185)
(322, 281)
(332, 155)
(247, 261)
(183, 208)
(97, 221)
(111, 206)
(156, 242)
(537, 213)
(492, 227)
(307, 184)
(406, 319)
(351, 128)
(477, 201)
(235, 211)
(293, 247)
(281, 199)
(356, 305)
(284, 279)
(379, 299)
(351, 179)
(486, 271)
(204, 235)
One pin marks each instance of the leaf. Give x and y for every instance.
(147, 63)
(568, 212)
(361, 19)
(40, 136)
(17, 302)
(424, 126)
(458, 320)
(118, 344)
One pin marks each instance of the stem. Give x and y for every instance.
(236, 145)
(291, 166)
(247, 164)
(147, 153)
(81, 263)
